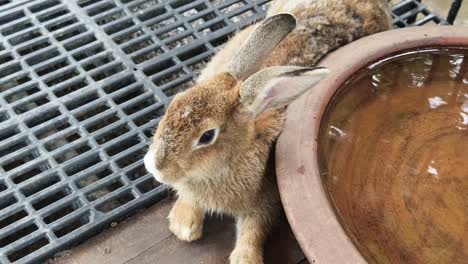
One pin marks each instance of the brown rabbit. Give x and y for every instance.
(214, 145)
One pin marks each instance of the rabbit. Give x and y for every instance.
(215, 144)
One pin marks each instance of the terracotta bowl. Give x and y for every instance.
(306, 201)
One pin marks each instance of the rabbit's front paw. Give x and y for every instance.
(186, 222)
(245, 256)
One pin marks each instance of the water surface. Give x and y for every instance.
(394, 157)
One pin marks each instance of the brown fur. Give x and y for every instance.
(233, 176)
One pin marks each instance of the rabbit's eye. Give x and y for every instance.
(207, 137)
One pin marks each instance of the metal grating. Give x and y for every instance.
(82, 85)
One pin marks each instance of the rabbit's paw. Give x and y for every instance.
(245, 256)
(186, 222)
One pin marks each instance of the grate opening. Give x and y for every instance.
(102, 123)
(128, 35)
(181, 42)
(85, 3)
(23, 93)
(62, 211)
(51, 198)
(71, 87)
(82, 41)
(149, 116)
(24, 231)
(94, 177)
(11, 17)
(171, 33)
(17, 27)
(62, 140)
(93, 111)
(53, 14)
(88, 52)
(169, 77)
(107, 72)
(162, 24)
(147, 55)
(75, 31)
(98, 62)
(8, 132)
(73, 225)
(21, 160)
(140, 105)
(202, 20)
(219, 41)
(137, 172)
(5, 71)
(38, 45)
(112, 134)
(101, 8)
(110, 17)
(149, 14)
(11, 218)
(25, 37)
(213, 28)
(104, 190)
(82, 164)
(82, 100)
(5, 2)
(119, 84)
(5, 58)
(42, 57)
(43, 117)
(123, 145)
(43, 5)
(119, 26)
(14, 82)
(51, 129)
(177, 88)
(179, 3)
(149, 132)
(131, 158)
(115, 203)
(3, 186)
(39, 185)
(197, 67)
(148, 185)
(31, 104)
(159, 67)
(7, 201)
(4, 117)
(129, 94)
(141, 5)
(243, 16)
(30, 248)
(30, 173)
(13, 147)
(63, 76)
(72, 153)
(140, 44)
(65, 22)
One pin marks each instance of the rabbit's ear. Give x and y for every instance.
(259, 44)
(278, 86)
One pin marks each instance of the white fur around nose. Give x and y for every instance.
(150, 165)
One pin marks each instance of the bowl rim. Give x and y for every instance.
(305, 201)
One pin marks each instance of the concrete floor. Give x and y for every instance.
(145, 239)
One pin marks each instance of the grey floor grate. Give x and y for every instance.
(82, 85)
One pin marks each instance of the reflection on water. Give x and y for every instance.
(394, 155)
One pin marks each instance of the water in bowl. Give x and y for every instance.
(394, 158)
